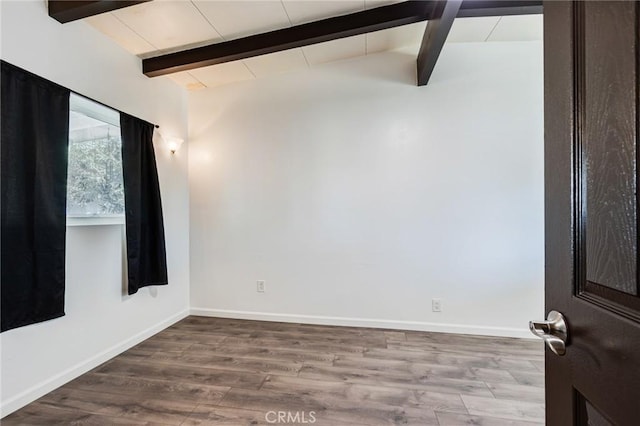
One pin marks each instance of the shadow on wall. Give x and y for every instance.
(400, 66)
(397, 67)
(376, 67)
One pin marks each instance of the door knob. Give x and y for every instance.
(553, 331)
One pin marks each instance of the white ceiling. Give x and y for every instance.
(162, 26)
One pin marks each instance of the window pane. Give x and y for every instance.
(94, 185)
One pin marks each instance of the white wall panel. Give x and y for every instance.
(100, 322)
(358, 197)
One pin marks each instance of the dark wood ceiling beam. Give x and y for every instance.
(445, 12)
(376, 19)
(379, 18)
(65, 11)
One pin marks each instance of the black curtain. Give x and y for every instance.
(34, 128)
(146, 253)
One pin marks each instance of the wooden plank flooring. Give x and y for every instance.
(213, 371)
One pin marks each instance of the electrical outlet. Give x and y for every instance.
(261, 287)
(436, 305)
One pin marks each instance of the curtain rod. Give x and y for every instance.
(72, 91)
(106, 106)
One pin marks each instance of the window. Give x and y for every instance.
(94, 184)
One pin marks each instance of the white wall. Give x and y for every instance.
(359, 197)
(99, 321)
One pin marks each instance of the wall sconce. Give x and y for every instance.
(173, 144)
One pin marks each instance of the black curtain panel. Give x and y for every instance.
(146, 253)
(34, 130)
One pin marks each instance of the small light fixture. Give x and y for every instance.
(174, 144)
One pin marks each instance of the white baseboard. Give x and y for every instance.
(367, 322)
(12, 404)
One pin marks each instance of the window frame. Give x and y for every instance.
(100, 112)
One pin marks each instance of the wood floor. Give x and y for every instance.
(212, 371)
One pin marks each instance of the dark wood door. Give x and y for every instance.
(591, 181)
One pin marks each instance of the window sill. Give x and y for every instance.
(94, 220)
